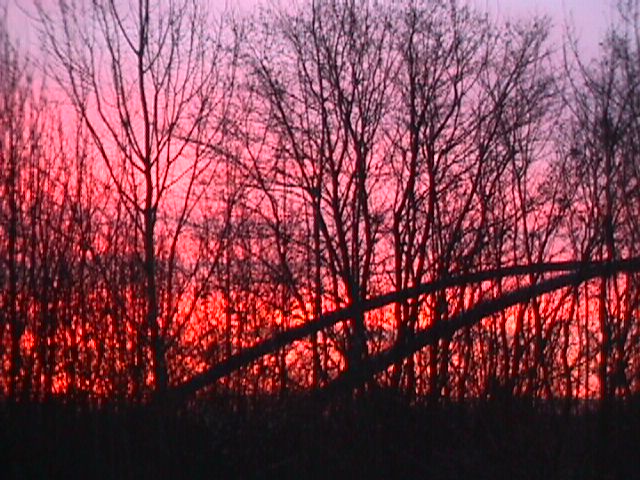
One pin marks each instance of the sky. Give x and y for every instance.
(589, 18)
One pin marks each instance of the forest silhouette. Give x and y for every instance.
(333, 238)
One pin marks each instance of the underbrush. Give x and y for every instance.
(373, 436)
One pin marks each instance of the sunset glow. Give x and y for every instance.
(219, 226)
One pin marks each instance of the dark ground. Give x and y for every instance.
(378, 436)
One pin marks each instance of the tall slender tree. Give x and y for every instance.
(150, 84)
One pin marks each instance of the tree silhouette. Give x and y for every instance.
(348, 213)
(148, 81)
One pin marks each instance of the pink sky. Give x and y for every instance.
(589, 17)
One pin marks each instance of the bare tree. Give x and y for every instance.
(14, 91)
(601, 170)
(239, 209)
(149, 82)
(322, 92)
